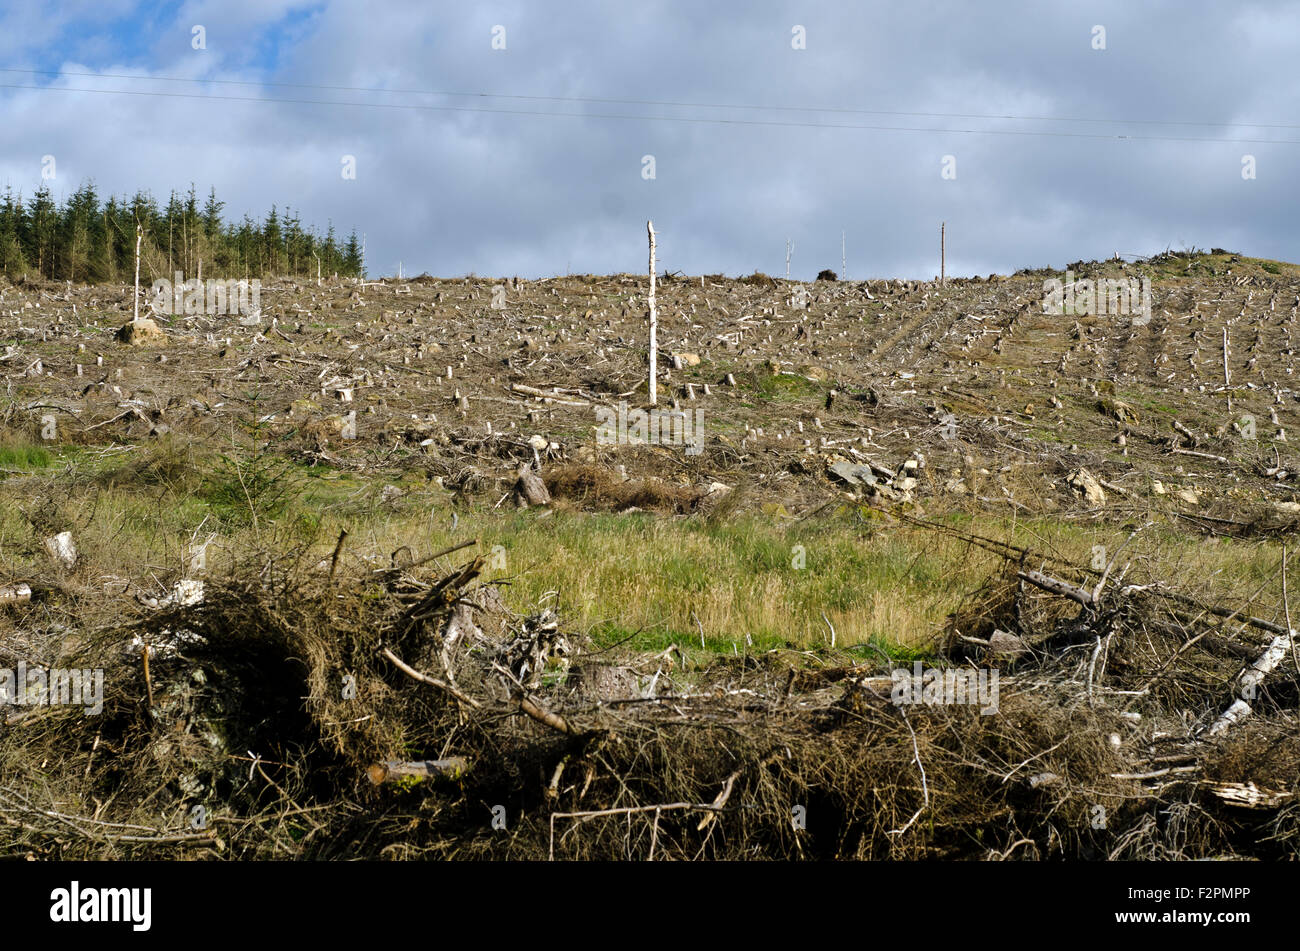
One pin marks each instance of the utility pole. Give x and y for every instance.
(943, 276)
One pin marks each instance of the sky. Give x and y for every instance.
(484, 138)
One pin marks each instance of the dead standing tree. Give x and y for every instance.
(654, 320)
(135, 307)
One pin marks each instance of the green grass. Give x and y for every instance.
(784, 388)
(750, 582)
(24, 456)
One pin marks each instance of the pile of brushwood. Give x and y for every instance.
(334, 709)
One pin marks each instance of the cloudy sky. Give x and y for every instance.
(735, 127)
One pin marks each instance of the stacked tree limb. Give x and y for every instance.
(339, 708)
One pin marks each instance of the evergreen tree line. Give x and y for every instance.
(90, 241)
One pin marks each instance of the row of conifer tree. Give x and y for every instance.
(90, 240)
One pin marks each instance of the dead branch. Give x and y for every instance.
(1056, 586)
(426, 679)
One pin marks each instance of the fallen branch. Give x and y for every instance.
(1249, 681)
(338, 549)
(1155, 773)
(719, 801)
(1056, 586)
(627, 811)
(539, 713)
(1201, 455)
(426, 679)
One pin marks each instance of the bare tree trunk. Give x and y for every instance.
(943, 253)
(139, 232)
(1227, 377)
(654, 321)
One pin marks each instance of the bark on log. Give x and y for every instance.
(15, 594)
(393, 770)
(530, 489)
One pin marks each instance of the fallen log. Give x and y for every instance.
(394, 770)
(1249, 681)
(546, 397)
(1201, 455)
(1191, 436)
(1248, 795)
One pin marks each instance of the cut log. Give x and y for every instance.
(62, 549)
(530, 489)
(15, 594)
(394, 770)
(550, 397)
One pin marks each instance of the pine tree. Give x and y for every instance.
(212, 217)
(329, 252)
(12, 227)
(42, 223)
(74, 233)
(352, 263)
(84, 240)
(272, 244)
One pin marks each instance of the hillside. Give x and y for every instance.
(868, 474)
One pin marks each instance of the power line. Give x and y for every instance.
(649, 118)
(655, 102)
